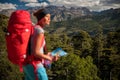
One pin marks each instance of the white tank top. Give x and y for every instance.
(38, 30)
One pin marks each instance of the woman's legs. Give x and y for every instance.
(30, 75)
(41, 73)
(29, 72)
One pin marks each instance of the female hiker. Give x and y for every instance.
(36, 70)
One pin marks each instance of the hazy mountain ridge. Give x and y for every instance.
(63, 13)
(58, 13)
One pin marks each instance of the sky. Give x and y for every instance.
(92, 5)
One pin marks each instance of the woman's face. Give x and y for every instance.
(45, 20)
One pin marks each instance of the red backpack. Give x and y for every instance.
(18, 36)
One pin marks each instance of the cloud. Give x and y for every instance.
(36, 4)
(106, 4)
(110, 1)
(7, 6)
(74, 2)
(29, 1)
(93, 5)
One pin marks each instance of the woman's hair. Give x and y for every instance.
(40, 14)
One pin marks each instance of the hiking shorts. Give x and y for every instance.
(30, 75)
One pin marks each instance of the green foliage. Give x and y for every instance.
(56, 40)
(3, 24)
(73, 67)
(82, 42)
(66, 66)
(113, 41)
(115, 71)
(8, 71)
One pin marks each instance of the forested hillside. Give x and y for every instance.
(92, 43)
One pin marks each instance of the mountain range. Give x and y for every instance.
(58, 13)
(73, 19)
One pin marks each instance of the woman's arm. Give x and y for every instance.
(36, 50)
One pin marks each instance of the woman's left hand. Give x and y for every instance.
(56, 57)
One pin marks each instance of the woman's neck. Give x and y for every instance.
(41, 25)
